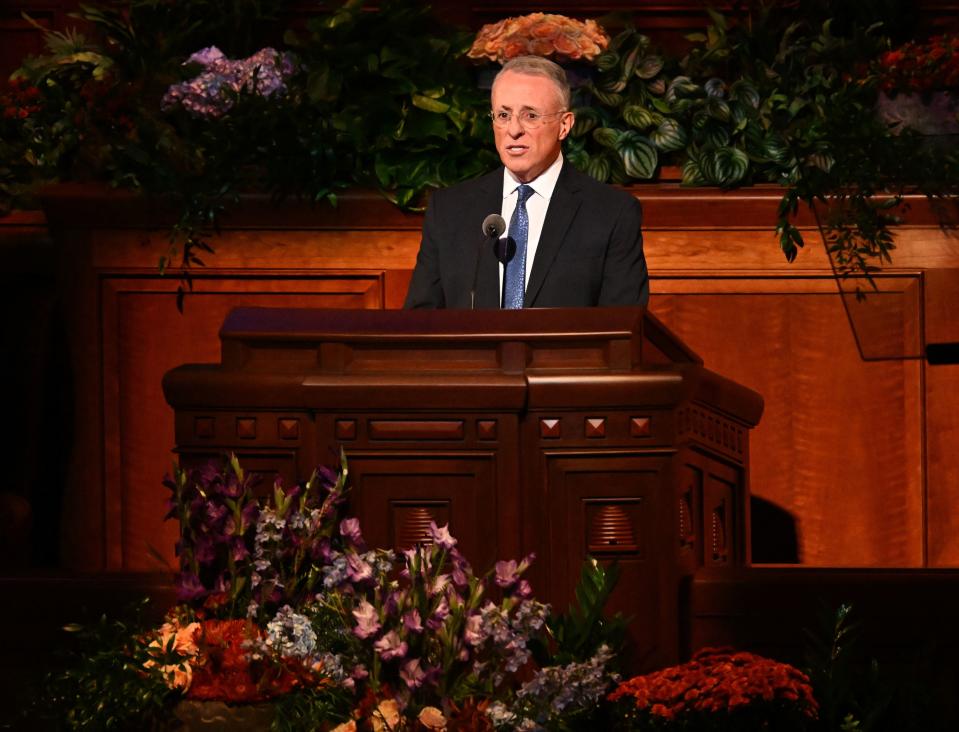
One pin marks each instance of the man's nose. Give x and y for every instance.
(513, 127)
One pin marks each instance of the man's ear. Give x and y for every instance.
(566, 123)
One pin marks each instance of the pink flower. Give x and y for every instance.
(508, 571)
(441, 536)
(440, 614)
(390, 646)
(412, 621)
(367, 623)
(412, 673)
(350, 529)
(473, 631)
(358, 570)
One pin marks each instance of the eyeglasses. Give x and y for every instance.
(529, 119)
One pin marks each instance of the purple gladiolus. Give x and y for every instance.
(367, 623)
(215, 512)
(188, 587)
(508, 571)
(250, 513)
(473, 631)
(412, 673)
(523, 589)
(461, 569)
(439, 584)
(239, 550)
(412, 621)
(357, 569)
(203, 550)
(350, 530)
(441, 536)
(390, 646)
(439, 615)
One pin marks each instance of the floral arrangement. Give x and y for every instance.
(281, 601)
(732, 690)
(918, 67)
(540, 34)
(295, 122)
(213, 92)
(20, 100)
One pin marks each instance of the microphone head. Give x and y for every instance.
(493, 226)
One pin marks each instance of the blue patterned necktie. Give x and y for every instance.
(514, 278)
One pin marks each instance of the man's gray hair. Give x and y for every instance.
(539, 66)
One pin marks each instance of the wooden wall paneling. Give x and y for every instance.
(143, 336)
(942, 436)
(19, 38)
(942, 416)
(35, 426)
(819, 451)
(82, 529)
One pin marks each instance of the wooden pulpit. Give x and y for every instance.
(561, 432)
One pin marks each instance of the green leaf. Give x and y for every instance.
(731, 165)
(657, 86)
(577, 156)
(598, 168)
(716, 136)
(638, 154)
(823, 161)
(682, 86)
(606, 136)
(638, 116)
(586, 120)
(323, 85)
(630, 62)
(608, 99)
(607, 60)
(718, 109)
(429, 104)
(670, 135)
(693, 173)
(715, 88)
(743, 91)
(650, 67)
(775, 148)
(612, 84)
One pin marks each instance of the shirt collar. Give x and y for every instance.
(543, 185)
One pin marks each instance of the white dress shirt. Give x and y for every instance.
(536, 206)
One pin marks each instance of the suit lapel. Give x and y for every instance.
(489, 200)
(563, 206)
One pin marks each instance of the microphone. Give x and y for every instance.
(493, 227)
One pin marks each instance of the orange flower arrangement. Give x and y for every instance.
(540, 34)
(213, 660)
(921, 67)
(719, 681)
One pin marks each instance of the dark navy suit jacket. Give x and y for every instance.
(590, 251)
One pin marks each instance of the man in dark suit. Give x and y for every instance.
(572, 240)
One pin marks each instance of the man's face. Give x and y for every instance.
(529, 152)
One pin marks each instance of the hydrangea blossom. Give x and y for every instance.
(213, 92)
(291, 634)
